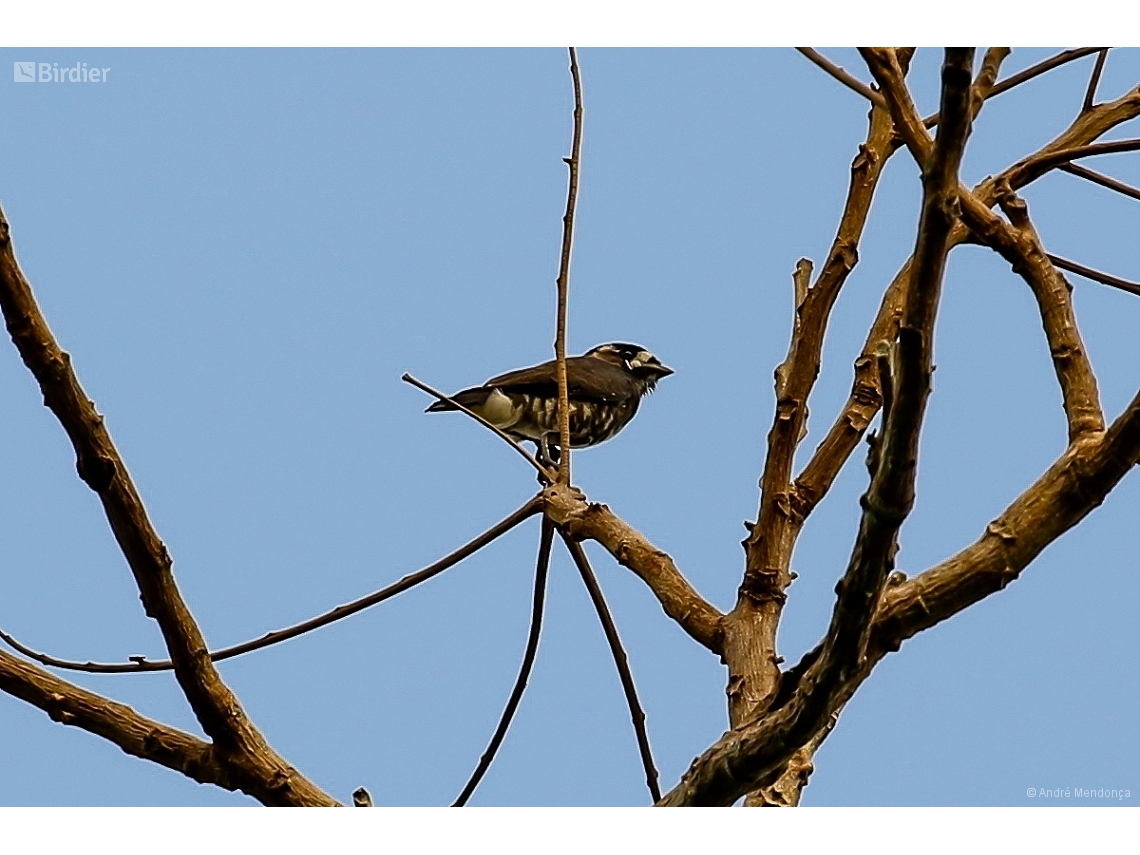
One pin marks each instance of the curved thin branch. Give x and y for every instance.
(1018, 243)
(435, 393)
(542, 569)
(843, 76)
(636, 713)
(574, 162)
(140, 664)
(583, 520)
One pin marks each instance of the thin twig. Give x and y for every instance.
(542, 569)
(1040, 68)
(843, 76)
(1094, 81)
(435, 393)
(1040, 163)
(574, 162)
(1095, 275)
(636, 713)
(140, 664)
(1102, 180)
(1037, 70)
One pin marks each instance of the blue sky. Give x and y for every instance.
(243, 250)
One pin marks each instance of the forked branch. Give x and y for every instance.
(135, 734)
(100, 466)
(583, 520)
(542, 571)
(742, 759)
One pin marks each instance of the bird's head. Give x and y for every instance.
(633, 358)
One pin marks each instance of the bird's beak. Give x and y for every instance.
(661, 370)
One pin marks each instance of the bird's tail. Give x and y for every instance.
(472, 399)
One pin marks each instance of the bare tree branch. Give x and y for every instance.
(1019, 244)
(1022, 248)
(542, 570)
(1102, 180)
(135, 734)
(574, 162)
(741, 759)
(751, 628)
(863, 402)
(543, 472)
(1037, 165)
(984, 83)
(1094, 80)
(636, 713)
(1065, 494)
(1028, 74)
(1095, 275)
(100, 466)
(842, 76)
(1040, 68)
(583, 520)
(140, 664)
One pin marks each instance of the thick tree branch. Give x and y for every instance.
(621, 661)
(103, 470)
(779, 518)
(987, 76)
(1018, 243)
(135, 734)
(861, 406)
(141, 664)
(1022, 248)
(1065, 494)
(741, 760)
(751, 628)
(583, 520)
(885, 68)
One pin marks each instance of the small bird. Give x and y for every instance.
(605, 384)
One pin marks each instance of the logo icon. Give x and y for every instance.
(24, 72)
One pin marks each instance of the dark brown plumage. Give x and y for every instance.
(606, 384)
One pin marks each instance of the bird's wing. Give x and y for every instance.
(588, 378)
